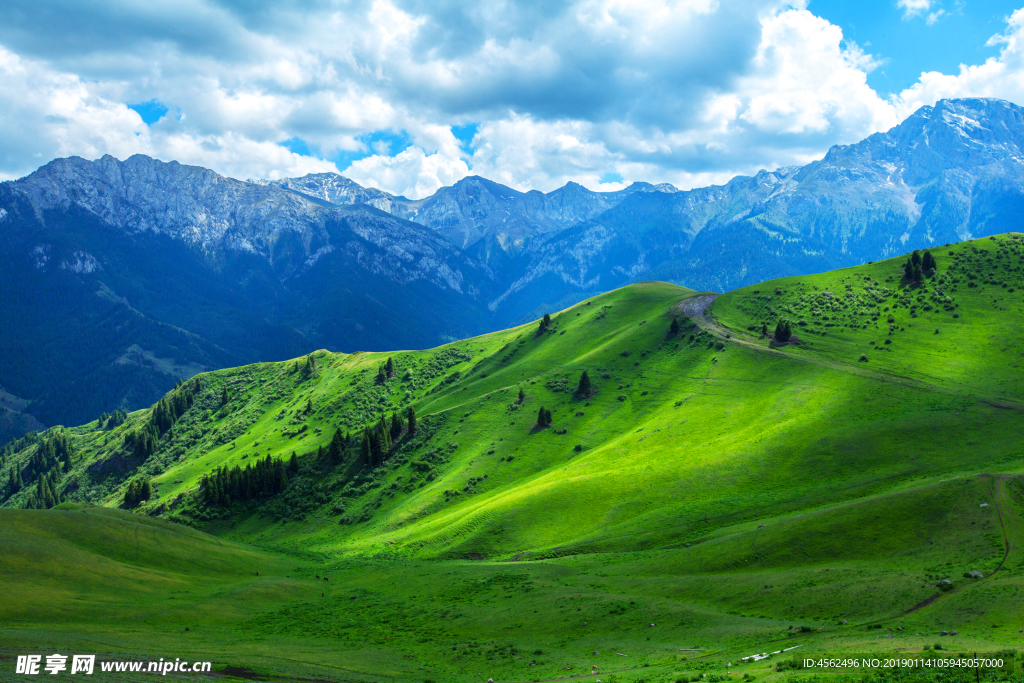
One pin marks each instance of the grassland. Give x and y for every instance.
(735, 492)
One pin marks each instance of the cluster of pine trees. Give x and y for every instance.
(46, 466)
(386, 371)
(111, 420)
(918, 267)
(545, 324)
(543, 417)
(336, 450)
(139, 490)
(46, 494)
(378, 439)
(143, 442)
(783, 331)
(266, 478)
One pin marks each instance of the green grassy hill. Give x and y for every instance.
(733, 489)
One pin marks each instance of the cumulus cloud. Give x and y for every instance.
(1001, 76)
(683, 91)
(913, 8)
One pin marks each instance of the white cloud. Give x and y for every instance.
(804, 81)
(412, 172)
(913, 8)
(1001, 76)
(45, 115)
(689, 92)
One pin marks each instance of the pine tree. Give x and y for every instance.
(583, 390)
(309, 406)
(412, 420)
(293, 464)
(928, 263)
(224, 396)
(543, 417)
(389, 368)
(384, 435)
(783, 331)
(673, 328)
(396, 426)
(336, 449)
(280, 476)
(522, 395)
(366, 450)
(915, 258)
(146, 490)
(764, 329)
(545, 323)
(382, 375)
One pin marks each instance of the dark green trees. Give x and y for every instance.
(411, 417)
(46, 494)
(783, 331)
(545, 323)
(13, 483)
(928, 263)
(377, 442)
(543, 417)
(336, 451)
(913, 270)
(386, 371)
(584, 389)
(139, 490)
(764, 329)
(522, 395)
(396, 426)
(263, 479)
(673, 328)
(112, 420)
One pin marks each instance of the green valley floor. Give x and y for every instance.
(716, 488)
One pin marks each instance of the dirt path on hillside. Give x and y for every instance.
(996, 495)
(699, 309)
(999, 493)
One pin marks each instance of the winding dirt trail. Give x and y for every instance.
(699, 309)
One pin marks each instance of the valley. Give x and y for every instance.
(828, 461)
(202, 271)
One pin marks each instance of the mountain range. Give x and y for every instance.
(117, 278)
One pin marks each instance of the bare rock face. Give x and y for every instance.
(218, 214)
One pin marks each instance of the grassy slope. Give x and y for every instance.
(867, 476)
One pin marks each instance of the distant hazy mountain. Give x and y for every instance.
(116, 278)
(947, 173)
(492, 222)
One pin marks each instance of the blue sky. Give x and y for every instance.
(911, 45)
(409, 95)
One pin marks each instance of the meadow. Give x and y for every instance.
(715, 493)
